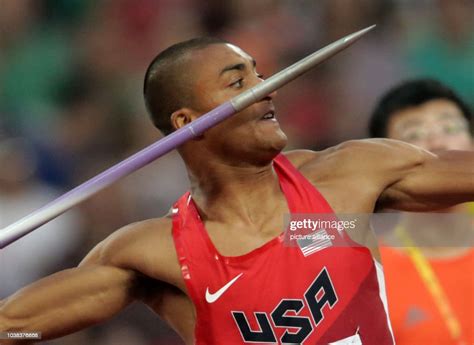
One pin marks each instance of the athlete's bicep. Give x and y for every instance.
(440, 180)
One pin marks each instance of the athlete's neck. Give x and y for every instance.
(226, 193)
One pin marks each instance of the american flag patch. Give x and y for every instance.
(314, 242)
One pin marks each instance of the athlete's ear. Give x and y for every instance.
(182, 117)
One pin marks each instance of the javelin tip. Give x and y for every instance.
(356, 35)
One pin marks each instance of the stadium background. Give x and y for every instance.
(71, 74)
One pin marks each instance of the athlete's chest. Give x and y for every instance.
(236, 237)
(285, 294)
(235, 241)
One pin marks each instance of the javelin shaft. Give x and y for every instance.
(43, 215)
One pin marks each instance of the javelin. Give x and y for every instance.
(43, 215)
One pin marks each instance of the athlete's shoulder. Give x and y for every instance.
(376, 146)
(373, 163)
(298, 158)
(139, 235)
(302, 158)
(381, 152)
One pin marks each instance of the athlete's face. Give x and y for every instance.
(222, 72)
(434, 125)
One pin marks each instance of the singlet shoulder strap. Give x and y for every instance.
(302, 195)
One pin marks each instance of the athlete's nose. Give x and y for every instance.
(270, 96)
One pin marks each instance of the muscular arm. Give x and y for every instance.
(437, 181)
(68, 301)
(105, 282)
(398, 175)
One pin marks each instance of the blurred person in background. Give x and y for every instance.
(428, 114)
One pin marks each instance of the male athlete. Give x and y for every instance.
(216, 268)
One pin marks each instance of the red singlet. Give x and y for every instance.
(275, 294)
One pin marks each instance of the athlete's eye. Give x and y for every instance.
(238, 83)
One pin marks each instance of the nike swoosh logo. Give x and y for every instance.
(212, 297)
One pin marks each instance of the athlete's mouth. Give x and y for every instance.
(268, 116)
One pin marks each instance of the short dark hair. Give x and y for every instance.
(410, 94)
(167, 86)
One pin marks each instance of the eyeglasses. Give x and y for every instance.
(446, 129)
